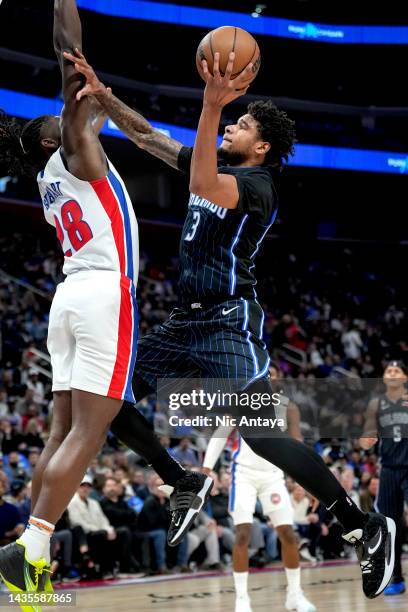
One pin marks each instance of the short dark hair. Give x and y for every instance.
(397, 363)
(20, 145)
(276, 128)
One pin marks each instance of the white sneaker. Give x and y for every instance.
(298, 602)
(304, 554)
(243, 604)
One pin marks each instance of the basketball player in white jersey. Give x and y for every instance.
(93, 320)
(252, 478)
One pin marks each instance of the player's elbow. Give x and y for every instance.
(198, 187)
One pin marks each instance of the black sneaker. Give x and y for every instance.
(188, 498)
(19, 574)
(375, 546)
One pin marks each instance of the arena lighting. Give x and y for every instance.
(307, 155)
(268, 26)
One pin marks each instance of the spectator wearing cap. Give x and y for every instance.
(87, 513)
(11, 526)
(15, 467)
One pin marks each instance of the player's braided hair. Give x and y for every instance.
(20, 145)
(276, 128)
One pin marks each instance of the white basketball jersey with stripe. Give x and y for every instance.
(245, 457)
(95, 221)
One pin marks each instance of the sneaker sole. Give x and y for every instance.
(203, 495)
(16, 591)
(389, 568)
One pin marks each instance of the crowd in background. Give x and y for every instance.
(118, 519)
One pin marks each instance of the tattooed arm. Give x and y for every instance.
(140, 131)
(134, 125)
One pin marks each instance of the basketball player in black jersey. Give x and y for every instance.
(387, 421)
(217, 330)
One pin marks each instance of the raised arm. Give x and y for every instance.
(221, 189)
(370, 435)
(81, 146)
(293, 416)
(134, 125)
(215, 447)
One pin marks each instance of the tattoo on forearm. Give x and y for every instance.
(162, 146)
(139, 130)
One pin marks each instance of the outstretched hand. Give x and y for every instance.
(93, 86)
(221, 90)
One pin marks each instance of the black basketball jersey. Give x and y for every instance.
(219, 245)
(392, 421)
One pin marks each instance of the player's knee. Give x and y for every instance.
(286, 534)
(243, 535)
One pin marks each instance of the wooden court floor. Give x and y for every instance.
(329, 588)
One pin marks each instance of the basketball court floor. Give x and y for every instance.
(331, 586)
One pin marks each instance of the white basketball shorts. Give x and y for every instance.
(247, 485)
(92, 334)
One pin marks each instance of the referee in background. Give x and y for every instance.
(387, 420)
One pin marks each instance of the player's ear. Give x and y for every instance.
(262, 148)
(49, 144)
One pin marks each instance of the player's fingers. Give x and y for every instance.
(205, 70)
(109, 90)
(246, 76)
(216, 67)
(79, 53)
(70, 57)
(230, 66)
(82, 93)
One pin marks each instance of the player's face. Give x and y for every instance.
(240, 140)
(394, 376)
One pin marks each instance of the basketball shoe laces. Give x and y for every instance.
(365, 564)
(180, 502)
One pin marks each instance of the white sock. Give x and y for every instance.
(241, 584)
(293, 579)
(36, 538)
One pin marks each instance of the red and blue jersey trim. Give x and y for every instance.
(121, 381)
(234, 468)
(113, 199)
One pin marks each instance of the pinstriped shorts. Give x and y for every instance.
(223, 341)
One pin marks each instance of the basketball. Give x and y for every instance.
(224, 40)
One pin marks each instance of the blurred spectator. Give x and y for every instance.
(123, 519)
(11, 526)
(101, 536)
(205, 530)
(369, 494)
(352, 343)
(154, 520)
(307, 523)
(184, 454)
(217, 508)
(15, 467)
(139, 484)
(35, 385)
(4, 409)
